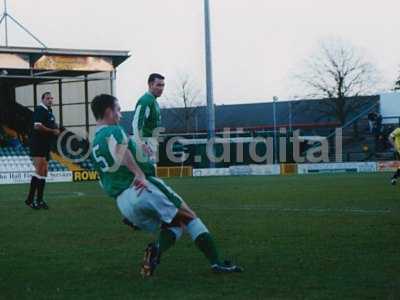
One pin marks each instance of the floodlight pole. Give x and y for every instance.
(5, 17)
(209, 76)
(275, 99)
(6, 21)
(290, 117)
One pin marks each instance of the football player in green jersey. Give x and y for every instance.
(143, 199)
(147, 117)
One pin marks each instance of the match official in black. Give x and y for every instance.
(44, 134)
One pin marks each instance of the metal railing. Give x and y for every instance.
(347, 124)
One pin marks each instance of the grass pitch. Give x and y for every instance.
(314, 237)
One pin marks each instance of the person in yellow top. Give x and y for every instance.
(394, 139)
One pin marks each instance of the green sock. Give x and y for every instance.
(166, 240)
(206, 245)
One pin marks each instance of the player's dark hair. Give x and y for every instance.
(100, 103)
(155, 76)
(45, 94)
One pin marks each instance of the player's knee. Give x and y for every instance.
(187, 211)
(184, 216)
(175, 227)
(195, 228)
(178, 231)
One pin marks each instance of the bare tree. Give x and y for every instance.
(338, 71)
(397, 85)
(184, 101)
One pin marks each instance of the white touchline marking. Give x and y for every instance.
(61, 194)
(312, 210)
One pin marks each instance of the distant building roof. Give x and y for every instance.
(254, 115)
(117, 56)
(24, 65)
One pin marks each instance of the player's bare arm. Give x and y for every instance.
(127, 160)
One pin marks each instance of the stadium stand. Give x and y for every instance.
(73, 76)
(256, 119)
(18, 160)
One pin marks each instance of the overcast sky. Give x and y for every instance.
(257, 44)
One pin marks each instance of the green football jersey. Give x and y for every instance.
(114, 177)
(147, 116)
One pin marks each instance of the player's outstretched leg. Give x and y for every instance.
(396, 175)
(167, 203)
(200, 235)
(205, 243)
(168, 235)
(150, 260)
(203, 240)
